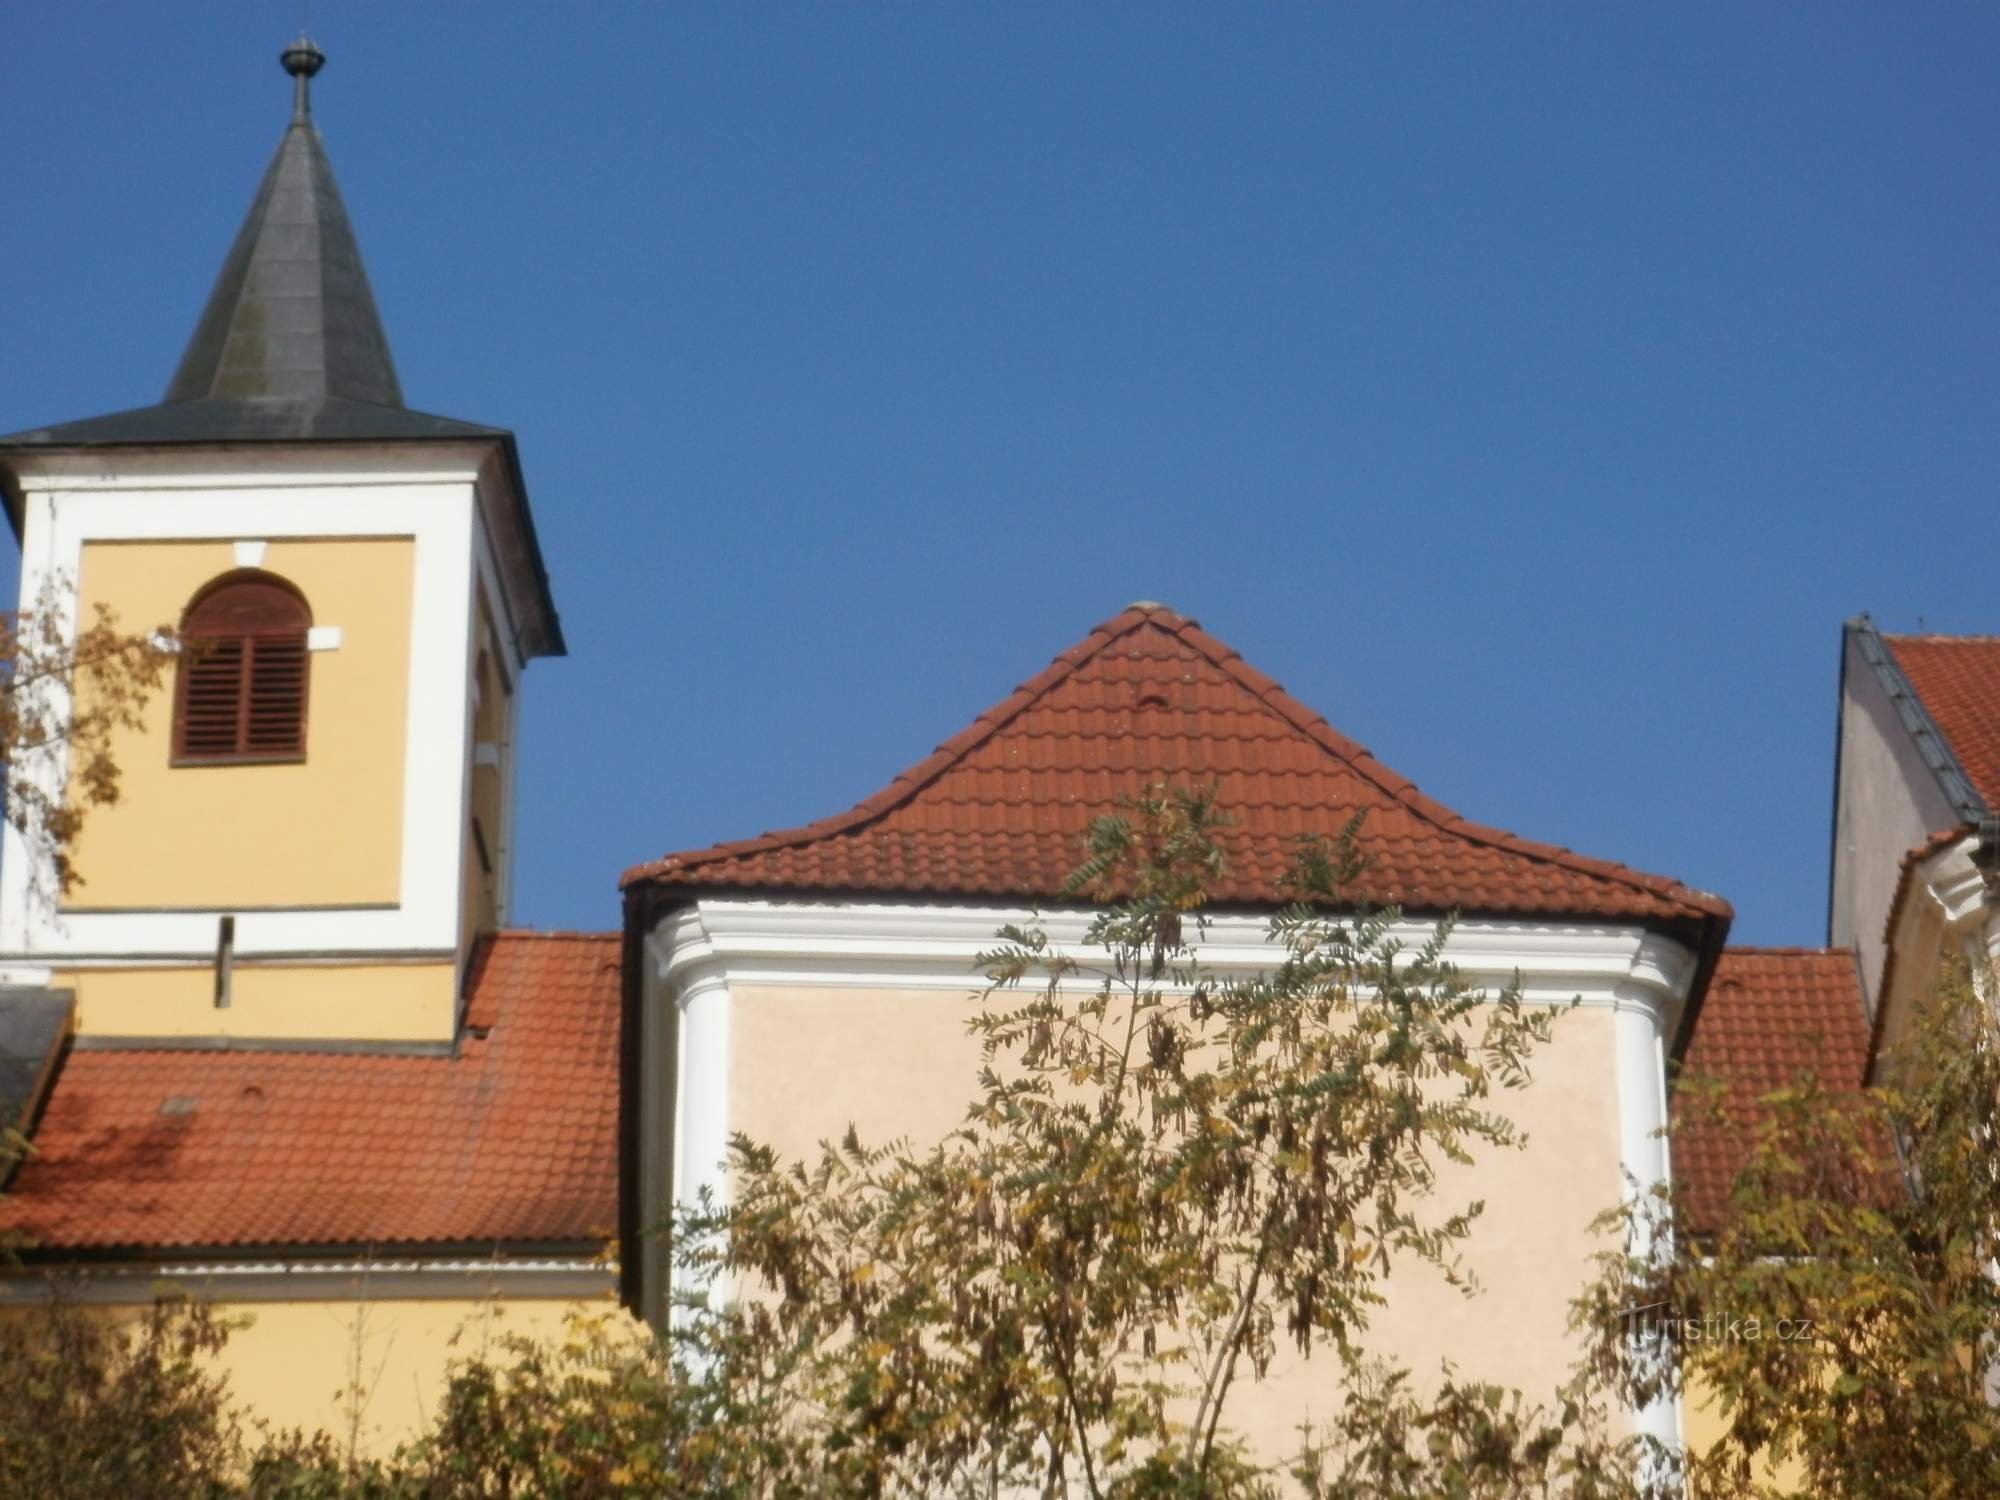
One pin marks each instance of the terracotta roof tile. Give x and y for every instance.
(999, 809)
(1958, 677)
(1770, 1014)
(512, 1140)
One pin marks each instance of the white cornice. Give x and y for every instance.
(564, 1277)
(213, 466)
(1944, 908)
(748, 942)
(1945, 901)
(1953, 882)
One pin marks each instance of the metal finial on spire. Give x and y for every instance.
(302, 59)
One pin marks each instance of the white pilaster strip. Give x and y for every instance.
(1640, 1023)
(702, 1122)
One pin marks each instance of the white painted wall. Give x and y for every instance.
(427, 492)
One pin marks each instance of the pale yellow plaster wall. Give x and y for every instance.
(376, 1368)
(1702, 1425)
(806, 1061)
(374, 1002)
(370, 1370)
(327, 831)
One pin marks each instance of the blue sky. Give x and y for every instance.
(1534, 391)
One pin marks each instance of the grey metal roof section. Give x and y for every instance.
(1917, 722)
(33, 1024)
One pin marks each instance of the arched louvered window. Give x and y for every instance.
(241, 694)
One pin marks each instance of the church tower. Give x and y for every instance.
(315, 820)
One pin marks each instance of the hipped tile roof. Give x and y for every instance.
(1148, 697)
(1771, 1014)
(1958, 678)
(513, 1140)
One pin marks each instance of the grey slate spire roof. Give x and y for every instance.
(291, 313)
(290, 345)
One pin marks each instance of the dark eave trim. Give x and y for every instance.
(642, 908)
(331, 1046)
(553, 645)
(1839, 748)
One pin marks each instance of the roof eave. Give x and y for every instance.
(1711, 937)
(549, 641)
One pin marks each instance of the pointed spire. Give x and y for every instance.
(291, 314)
(290, 349)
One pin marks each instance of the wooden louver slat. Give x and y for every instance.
(244, 674)
(211, 696)
(274, 696)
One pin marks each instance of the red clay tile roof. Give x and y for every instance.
(513, 1140)
(1770, 1014)
(999, 810)
(1958, 677)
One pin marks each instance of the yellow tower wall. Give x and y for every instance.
(327, 831)
(1703, 1427)
(369, 1373)
(415, 1002)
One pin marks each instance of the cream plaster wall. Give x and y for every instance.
(807, 1061)
(324, 832)
(372, 1002)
